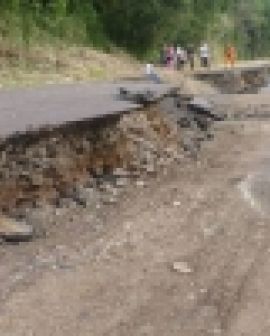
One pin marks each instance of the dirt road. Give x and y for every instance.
(186, 254)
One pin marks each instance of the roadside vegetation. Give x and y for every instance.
(46, 37)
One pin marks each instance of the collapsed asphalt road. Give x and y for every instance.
(57, 165)
(33, 122)
(26, 109)
(183, 253)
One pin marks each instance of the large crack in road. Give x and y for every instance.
(180, 253)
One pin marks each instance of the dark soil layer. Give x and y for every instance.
(52, 164)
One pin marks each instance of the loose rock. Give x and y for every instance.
(11, 230)
(182, 267)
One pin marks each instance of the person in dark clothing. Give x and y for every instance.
(170, 56)
(204, 55)
(163, 55)
(191, 56)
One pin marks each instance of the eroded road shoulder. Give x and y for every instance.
(186, 256)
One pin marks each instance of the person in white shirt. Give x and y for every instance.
(180, 57)
(151, 74)
(204, 55)
(149, 69)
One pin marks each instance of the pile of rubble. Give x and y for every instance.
(236, 81)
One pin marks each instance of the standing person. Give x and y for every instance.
(233, 55)
(185, 58)
(180, 57)
(227, 55)
(171, 56)
(167, 56)
(191, 56)
(204, 55)
(163, 55)
(230, 55)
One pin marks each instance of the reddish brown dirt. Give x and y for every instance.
(73, 155)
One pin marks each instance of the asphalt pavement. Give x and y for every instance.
(31, 108)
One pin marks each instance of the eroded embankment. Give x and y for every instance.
(236, 80)
(57, 166)
(185, 254)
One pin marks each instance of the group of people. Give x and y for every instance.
(177, 57)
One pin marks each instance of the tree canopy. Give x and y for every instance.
(141, 27)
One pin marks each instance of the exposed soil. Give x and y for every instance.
(183, 252)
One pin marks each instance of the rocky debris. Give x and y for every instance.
(203, 107)
(122, 177)
(195, 116)
(182, 267)
(140, 183)
(236, 81)
(242, 112)
(87, 164)
(11, 230)
(144, 97)
(182, 100)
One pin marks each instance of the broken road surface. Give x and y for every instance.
(186, 255)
